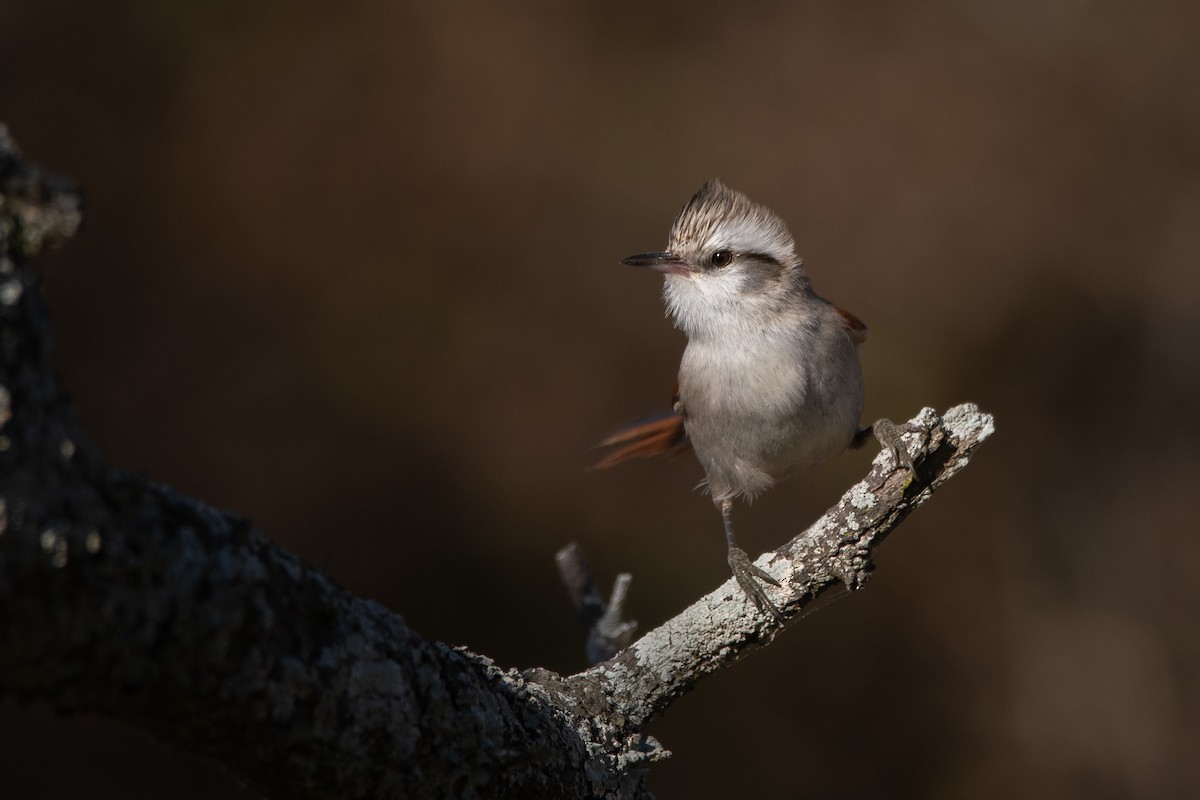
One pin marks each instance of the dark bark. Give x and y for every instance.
(125, 598)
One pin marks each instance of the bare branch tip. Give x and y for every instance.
(606, 631)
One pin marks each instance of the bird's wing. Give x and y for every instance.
(853, 326)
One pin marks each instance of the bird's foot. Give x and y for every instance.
(748, 575)
(888, 436)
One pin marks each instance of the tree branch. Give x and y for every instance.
(125, 598)
(605, 628)
(723, 626)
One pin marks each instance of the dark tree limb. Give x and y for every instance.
(125, 598)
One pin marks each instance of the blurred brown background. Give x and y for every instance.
(351, 270)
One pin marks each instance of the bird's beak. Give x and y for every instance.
(659, 262)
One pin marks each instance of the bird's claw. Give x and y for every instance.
(888, 436)
(748, 575)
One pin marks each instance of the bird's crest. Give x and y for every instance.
(718, 216)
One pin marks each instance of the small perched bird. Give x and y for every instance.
(770, 380)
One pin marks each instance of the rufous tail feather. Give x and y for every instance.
(657, 435)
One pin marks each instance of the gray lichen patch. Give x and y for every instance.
(861, 497)
(967, 420)
(10, 292)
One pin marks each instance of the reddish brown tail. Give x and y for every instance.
(658, 435)
(853, 325)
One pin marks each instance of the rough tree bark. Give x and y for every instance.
(122, 597)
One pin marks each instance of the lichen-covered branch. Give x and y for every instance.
(125, 598)
(835, 551)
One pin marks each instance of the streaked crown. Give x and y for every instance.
(719, 218)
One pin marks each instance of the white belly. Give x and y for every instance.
(755, 414)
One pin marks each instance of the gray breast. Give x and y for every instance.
(754, 415)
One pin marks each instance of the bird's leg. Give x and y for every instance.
(748, 573)
(888, 436)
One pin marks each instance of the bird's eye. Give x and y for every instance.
(721, 258)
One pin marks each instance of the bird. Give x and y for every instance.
(770, 381)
